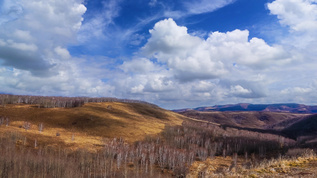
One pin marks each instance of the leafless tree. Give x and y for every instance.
(1, 121)
(8, 122)
(41, 127)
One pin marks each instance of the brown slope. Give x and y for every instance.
(89, 124)
(248, 119)
(284, 107)
(306, 126)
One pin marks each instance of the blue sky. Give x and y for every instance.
(174, 53)
(140, 16)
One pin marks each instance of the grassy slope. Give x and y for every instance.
(89, 124)
(299, 166)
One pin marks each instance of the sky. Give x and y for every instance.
(173, 53)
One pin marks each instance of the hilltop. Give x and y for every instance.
(88, 125)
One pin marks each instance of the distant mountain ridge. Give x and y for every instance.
(284, 107)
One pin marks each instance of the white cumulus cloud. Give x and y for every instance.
(34, 59)
(190, 57)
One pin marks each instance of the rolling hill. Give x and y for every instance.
(306, 126)
(243, 119)
(178, 148)
(289, 108)
(86, 126)
(297, 126)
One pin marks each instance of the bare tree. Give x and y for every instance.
(8, 122)
(41, 127)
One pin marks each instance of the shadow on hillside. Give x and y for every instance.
(305, 127)
(302, 127)
(90, 121)
(268, 131)
(148, 110)
(112, 111)
(144, 110)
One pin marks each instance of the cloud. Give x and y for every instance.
(172, 45)
(97, 22)
(243, 88)
(204, 6)
(159, 83)
(178, 68)
(194, 7)
(297, 90)
(9, 10)
(190, 57)
(173, 69)
(299, 15)
(142, 65)
(152, 3)
(33, 29)
(203, 86)
(239, 90)
(26, 60)
(299, 94)
(69, 81)
(34, 59)
(62, 52)
(23, 35)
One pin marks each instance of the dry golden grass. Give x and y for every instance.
(301, 166)
(87, 126)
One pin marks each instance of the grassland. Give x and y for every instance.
(87, 126)
(85, 142)
(301, 165)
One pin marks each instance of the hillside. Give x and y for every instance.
(288, 108)
(304, 127)
(89, 125)
(259, 120)
(168, 144)
(299, 127)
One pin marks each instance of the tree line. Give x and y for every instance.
(59, 101)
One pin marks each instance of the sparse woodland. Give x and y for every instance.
(170, 154)
(60, 102)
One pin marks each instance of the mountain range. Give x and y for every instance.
(285, 107)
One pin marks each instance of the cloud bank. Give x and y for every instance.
(174, 68)
(34, 59)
